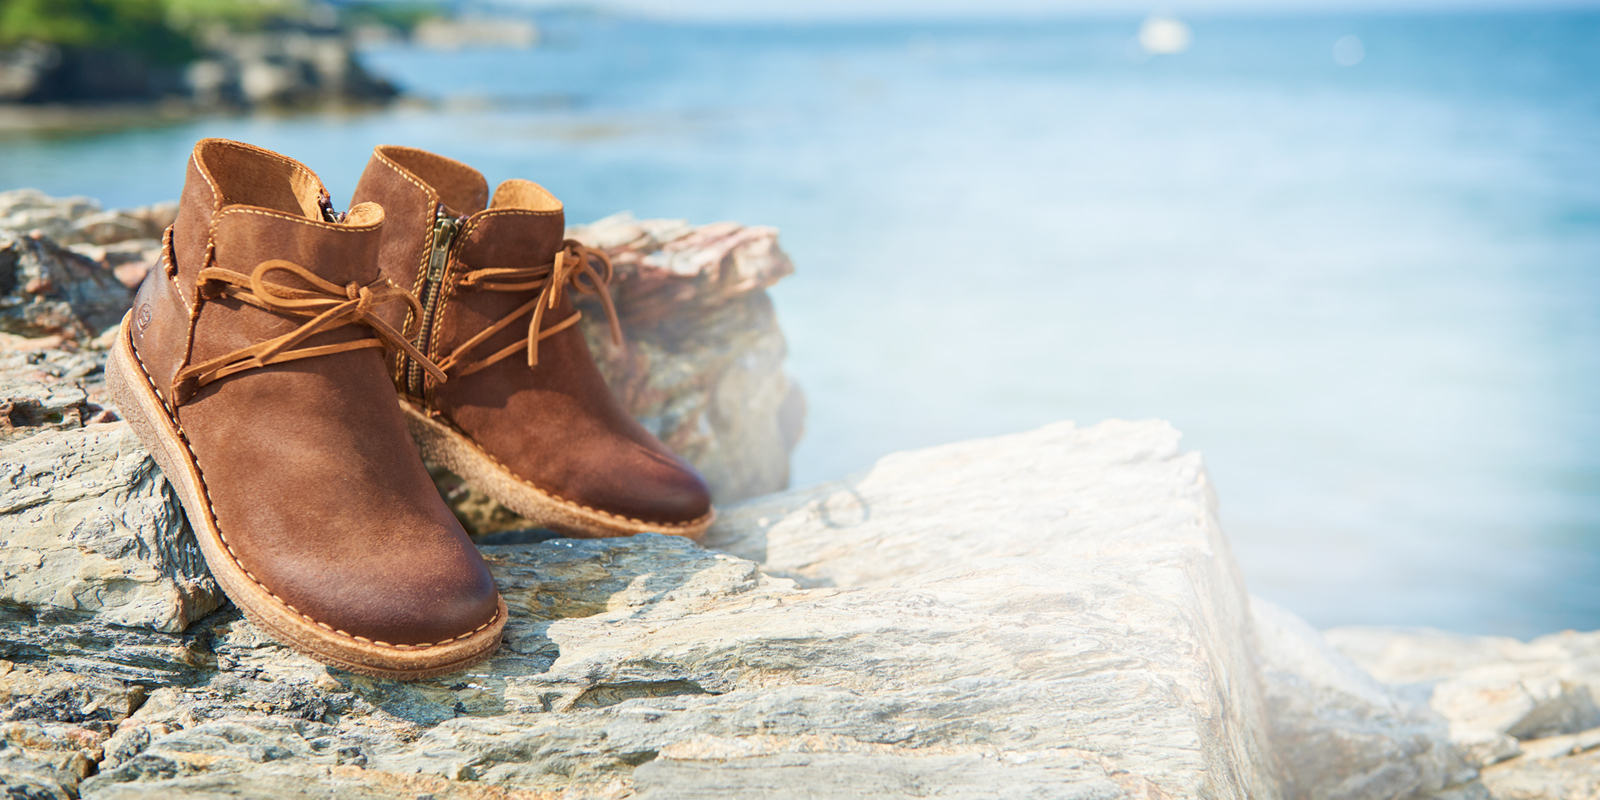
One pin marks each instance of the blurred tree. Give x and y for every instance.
(401, 15)
(233, 14)
(140, 26)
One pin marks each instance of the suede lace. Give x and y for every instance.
(571, 267)
(327, 305)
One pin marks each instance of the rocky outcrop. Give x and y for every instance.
(1049, 614)
(66, 266)
(42, 72)
(298, 66)
(1055, 613)
(289, 63)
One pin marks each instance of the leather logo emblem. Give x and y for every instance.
(144, 316)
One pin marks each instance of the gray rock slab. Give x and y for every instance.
(1111, 666)
(1112, 522)
(88, 524)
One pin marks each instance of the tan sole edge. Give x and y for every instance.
(448, 448)
(141, 406)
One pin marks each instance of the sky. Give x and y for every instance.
(866, 9)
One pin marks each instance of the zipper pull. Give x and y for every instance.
(444, 234)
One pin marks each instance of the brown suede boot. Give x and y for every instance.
(252, 368)
(525, 415)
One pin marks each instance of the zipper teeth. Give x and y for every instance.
(444, 231)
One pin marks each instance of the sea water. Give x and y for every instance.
(1355, 260)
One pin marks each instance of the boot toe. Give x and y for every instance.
(654, 488)
(675, 492)
(445, 596)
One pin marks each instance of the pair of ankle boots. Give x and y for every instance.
(285, 363)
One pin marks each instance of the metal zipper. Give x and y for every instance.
(444, 234)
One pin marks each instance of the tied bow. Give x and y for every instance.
(327, 305)
(572, 267)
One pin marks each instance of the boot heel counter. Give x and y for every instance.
(159, 327)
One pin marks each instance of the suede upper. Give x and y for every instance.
(315, 484)
(554, 425)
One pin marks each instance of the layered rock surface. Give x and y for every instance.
(1523, 711)
(1070, 624)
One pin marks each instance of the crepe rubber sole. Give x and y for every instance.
(449, 448)
(141, 406)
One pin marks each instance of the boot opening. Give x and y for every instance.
(461, 188)
(518, 193)
(250, 176)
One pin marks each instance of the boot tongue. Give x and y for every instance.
(523, 226)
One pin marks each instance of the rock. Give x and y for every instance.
(53, 725)
(439, 33)
(78, 290)
(80, 220)
(26, 407)
(1109, 532)
(1575, 776)
(24, 67)
(36, 72)
(89, 524)
(50, 383)
(293, 64)
(296, 59)
(46, 290)
(1527, 708)
(1341, 733)
(703, 366)
(1051, 614)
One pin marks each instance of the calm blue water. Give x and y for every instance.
(1369, 294)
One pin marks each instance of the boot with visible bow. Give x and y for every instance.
(252, 368)
(524, 415)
